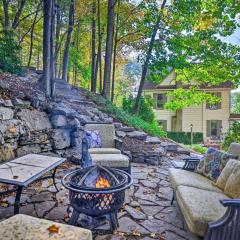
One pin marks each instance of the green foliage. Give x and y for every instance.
(146, 109)
(185, 137)
(233, 135)
(235, 103)
(135, 121)
(198, 148)
(9, 53)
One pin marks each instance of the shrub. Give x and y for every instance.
(146, 110)
(199, 148)
(233, 135)
(9, 52)
(185, 137)
(135, 121)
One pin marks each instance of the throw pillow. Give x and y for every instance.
(232, 188)
(226, 172)
(213, 163)
(93, 139)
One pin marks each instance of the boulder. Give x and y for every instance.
(120, 134)
(24, 150)
(153, 140)
(59, 120)
(33, 138)
(8, 103)
(7, 152)
(74, 123)
(6, 113)
(34, 120)
(17, 102)
(61, 138)
(138, 135)
(12, 128)
(126, 129)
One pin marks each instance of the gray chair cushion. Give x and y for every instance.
(110, 160)
(234, 149)
(106, 132)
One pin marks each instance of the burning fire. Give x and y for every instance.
(102, 183)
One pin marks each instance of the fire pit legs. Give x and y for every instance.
(113, 221)
(74, 218)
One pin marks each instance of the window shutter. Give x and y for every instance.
(220, 103)
(219, 123)
(208, 128)
(155, 100)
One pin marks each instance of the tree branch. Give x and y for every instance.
(18, 14)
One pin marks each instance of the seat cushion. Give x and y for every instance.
(232, 188)
(110, 160)
(234, 149)
(199, 207)
(106, 131)
(104, 151)
(226, 172)
(182, 177)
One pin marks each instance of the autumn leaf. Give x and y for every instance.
(15, 177)
(4, 203)
(136, 233)
(53, 229)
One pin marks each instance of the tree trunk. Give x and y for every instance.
(109, 50)
(93, 78)
(31, 36)
(115, 52)
(68, 41)
(58, 29)
(148, 57)
(99, 48)
(46, 77)
(18, 14)
(6, 14)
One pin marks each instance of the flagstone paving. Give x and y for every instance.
(147, 213)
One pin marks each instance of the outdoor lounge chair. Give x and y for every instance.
(110, 154)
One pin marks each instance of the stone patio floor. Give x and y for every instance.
(147, 213)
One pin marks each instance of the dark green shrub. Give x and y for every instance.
(9, 53)
(146, 109)
(185, 137)
(233, 135)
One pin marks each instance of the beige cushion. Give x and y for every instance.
(226, 172)
(199, 207)
(232, 188)
(104, 151)
(234, 149)
(106, 132)
(110, 160)
(182, 177)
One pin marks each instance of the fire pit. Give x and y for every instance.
(97, 191)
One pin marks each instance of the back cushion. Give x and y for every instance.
(213, 163)
(234, 149)
(106, 132)
(226, 172)
(232, 188)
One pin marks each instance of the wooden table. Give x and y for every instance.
(30, 228)
(27, 169)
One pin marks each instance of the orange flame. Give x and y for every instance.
(102, 183)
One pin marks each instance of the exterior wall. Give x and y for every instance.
(169, 80)
(162, 114)
(197, 115)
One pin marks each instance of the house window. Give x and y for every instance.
(161, 100)
(214, 128)
(216, 105)
(163, 124)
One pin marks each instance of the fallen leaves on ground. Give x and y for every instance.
(4, 203)
(53, 229)
(15, 177)
(136, 233)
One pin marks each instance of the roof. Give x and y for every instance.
(151, 85)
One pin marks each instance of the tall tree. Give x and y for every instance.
(93, 73)
(68, 41)
(109, 50)
(148, 57)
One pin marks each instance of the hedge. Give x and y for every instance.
(185, 137)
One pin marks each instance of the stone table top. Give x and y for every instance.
(24, 170)
(30, 228)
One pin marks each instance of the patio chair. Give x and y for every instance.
(111, 153)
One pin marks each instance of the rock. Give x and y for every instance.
(7, 152)
(11, 128)
(61, 138)
(34, 138)
(84, 119)
(120, 134)
(44, 207)
(17, 102)
(138, 135)
(61, 109)
(149, 184)
(151, 210)
(153, 140)
(41, 197)
(6, 113)
(127, 225)
(74, 123)
(8, 103)
(117, 125)
(171, 147)
(126, 129)
(110, 237)
(134, 204)
(59, 121)
(57, 214)
(34, 120)
(28, 149)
